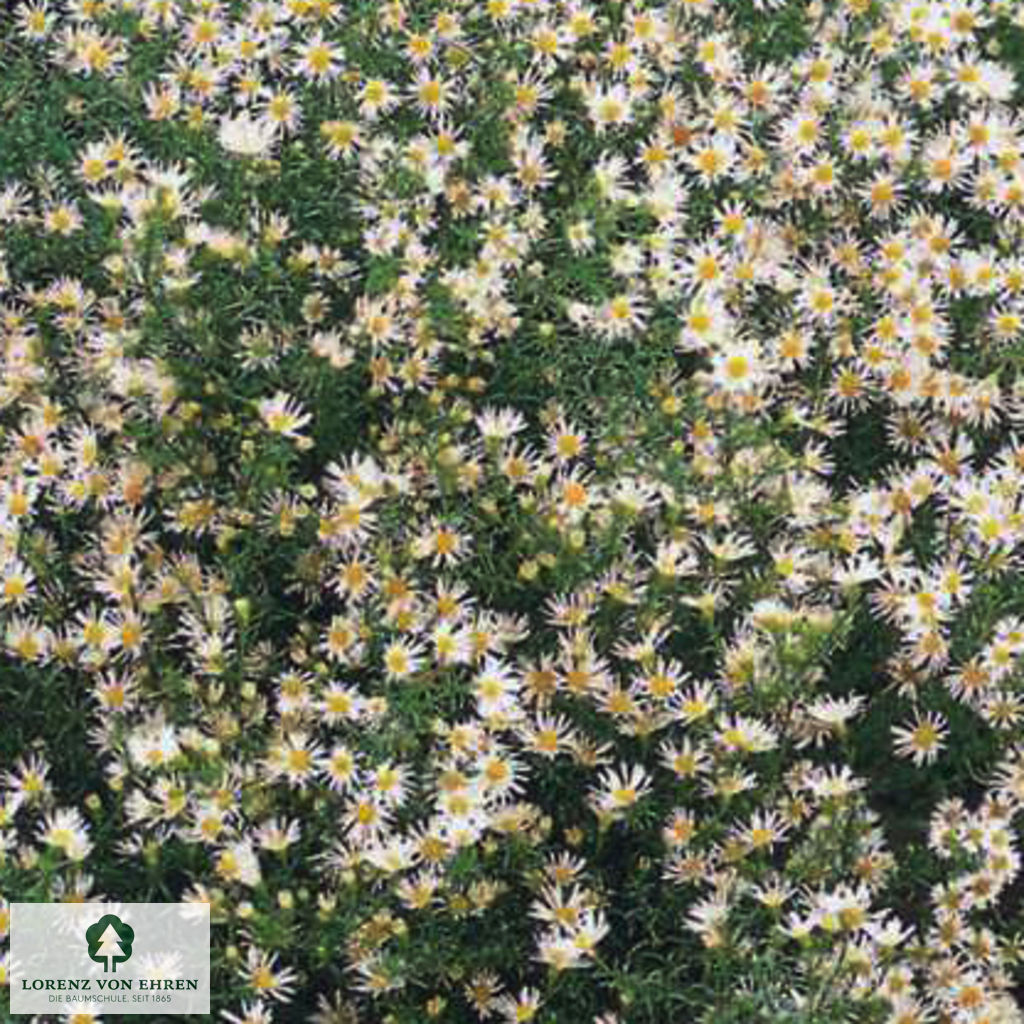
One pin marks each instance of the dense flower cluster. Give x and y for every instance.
(518, 504)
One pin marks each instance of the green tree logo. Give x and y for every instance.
(110, 941)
